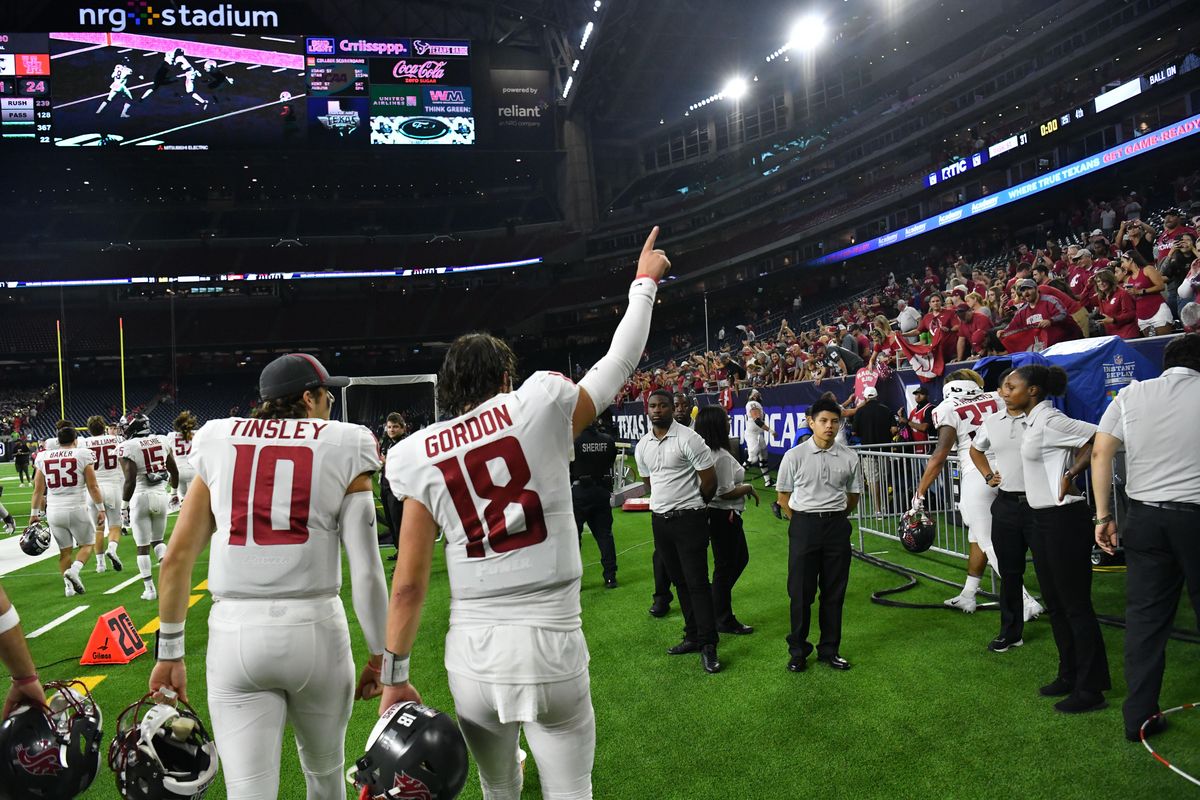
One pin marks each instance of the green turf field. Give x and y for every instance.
(925, 712)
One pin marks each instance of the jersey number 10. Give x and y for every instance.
(498, 498)
(254, 518)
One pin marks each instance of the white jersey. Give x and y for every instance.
(276, 489)
(966, 414)
(63, 470)
(496, 481)
(120, 75)
(149, 455)
(181, 447)
(107, 463)
(754, 410)
(51, 443)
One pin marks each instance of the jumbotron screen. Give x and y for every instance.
(233, 90)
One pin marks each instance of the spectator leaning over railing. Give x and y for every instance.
(1040, 321)
(1162, 550)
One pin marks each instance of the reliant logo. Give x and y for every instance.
(519, 111)
(140, 13)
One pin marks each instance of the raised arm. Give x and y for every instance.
(600, 385)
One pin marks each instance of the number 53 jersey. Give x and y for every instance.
(496, 479)
(276, 489)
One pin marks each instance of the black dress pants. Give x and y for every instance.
(591, 505)
(681, 541)
(662, 581)
(1012, 535)
(1162, 553)
(730, 557)
(1062, 558)
(818, 557)
(393, 513)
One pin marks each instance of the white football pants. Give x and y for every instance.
(148, 516)
(975, 504)
(72, 526)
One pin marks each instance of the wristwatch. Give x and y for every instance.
(1107, 518)
(988, 478)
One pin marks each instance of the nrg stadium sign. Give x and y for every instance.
(145, 14)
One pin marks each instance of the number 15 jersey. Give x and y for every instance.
(496, 480)
(276, 489)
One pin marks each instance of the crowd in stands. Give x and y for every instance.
(20, 407)
(1125, 271)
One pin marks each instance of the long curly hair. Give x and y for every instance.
(186, 424)
(473, 371)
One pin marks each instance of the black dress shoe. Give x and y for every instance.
(659, 609)
(1081, 703)
(610, 583)
(1060, 687)
(737, 629)
(1157, 725)
(683, 648)
(709, 660)
(835, 662)
(797, 664)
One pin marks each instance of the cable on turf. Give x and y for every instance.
(880, 596)
(1160, 759)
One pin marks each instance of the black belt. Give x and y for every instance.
(822, 514)
(1191, 507)
(679, 512)
(1015, 496)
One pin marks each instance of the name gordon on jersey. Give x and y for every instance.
(279, 428)
(469, 430)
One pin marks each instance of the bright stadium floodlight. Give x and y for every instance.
(807, 34)
(735, 89)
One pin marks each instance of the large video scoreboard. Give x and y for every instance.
(233, 90)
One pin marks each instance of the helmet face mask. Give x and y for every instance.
(917, 531)
(162, 752)
(416, 749)
(54, 750)
(35, 539)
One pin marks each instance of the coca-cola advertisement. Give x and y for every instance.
(420, 71)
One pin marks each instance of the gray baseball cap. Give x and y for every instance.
(292, 374)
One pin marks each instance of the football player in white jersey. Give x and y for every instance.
(63, 481)
(756, 435)
(146, 462)
(277, 496)
(180, 442)
(495, 479)
(104, 443)
(120, 85)
(957, 418)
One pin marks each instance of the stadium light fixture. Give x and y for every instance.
(807, 34)
(587, 34)
(735, 89)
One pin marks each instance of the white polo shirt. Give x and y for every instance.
(1157, 423)
(819, 480)
(1001, 435)
(1048, 450)
(671, 464)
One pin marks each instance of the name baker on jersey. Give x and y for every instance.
(469, 430)
(279, 428)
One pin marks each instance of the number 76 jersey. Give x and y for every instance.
(276, 488)
(496, 480)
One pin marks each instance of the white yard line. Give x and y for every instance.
(273, 39)
(80, 50)
(122, 585)
(206, 119)
(54, 623)
(13, 558)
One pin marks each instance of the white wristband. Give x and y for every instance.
(98, 506)
(9, 619)
(168, 646)
(171, 627)
(394, 669)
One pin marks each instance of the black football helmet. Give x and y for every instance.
(162, 752)
(414, 751)
(35, 539)
(135, 425)
(917, 531)
(51, 751)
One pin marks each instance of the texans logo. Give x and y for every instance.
(410, 789)
(44, 763)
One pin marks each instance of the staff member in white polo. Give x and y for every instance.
(1057, 450)
(1162, 548)
(680, 471)
(1001, 435)
(819, 483)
